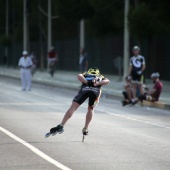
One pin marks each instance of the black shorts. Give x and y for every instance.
(137, 78)
(93, 93)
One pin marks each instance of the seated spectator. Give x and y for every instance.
(127, 93)
(152, 94)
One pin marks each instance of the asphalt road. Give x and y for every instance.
(120, 138)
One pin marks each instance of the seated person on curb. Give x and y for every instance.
(127, 93)
(152, 94)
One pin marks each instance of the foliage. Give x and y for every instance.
(149, 18)
(75, 9)
(5, 40)
(103, 18)
(108, 18)
(141, 21)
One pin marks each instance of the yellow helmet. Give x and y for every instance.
(93, 70)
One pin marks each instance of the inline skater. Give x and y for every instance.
(92, 81)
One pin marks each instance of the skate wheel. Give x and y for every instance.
(54, 133)
(83, 138)
(47, 135)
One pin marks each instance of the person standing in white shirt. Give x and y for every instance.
(25, 64)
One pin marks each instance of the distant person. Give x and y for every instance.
(154, 93)
(25, 64)
(83, 61)
(92, 82)
(52, 59)
(52, 55)
(137, 66)
(34, 63)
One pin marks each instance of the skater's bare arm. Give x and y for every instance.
(82, 78)
(152, 91)
(103, 82)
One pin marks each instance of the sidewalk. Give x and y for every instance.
(68, 79)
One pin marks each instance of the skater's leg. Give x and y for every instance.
(70, 112)
(60, 128)
(89, 116)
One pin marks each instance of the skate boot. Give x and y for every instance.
(85, 131)
(58, 129)
(124, 103)
(134, 102)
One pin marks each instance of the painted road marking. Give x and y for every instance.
(137, 120)
(35, 150)
(30, 104)
(111, 113)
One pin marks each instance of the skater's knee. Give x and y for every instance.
(74, 106)
(90, 107)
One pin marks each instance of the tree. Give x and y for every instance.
(5, 40)
(107, 19)
(149, 18)
(74, 9)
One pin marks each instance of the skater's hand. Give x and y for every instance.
(96, 83)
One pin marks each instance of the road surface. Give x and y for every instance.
(120, 138)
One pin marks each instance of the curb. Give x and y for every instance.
(160, 105)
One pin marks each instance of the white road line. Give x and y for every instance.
(137, 120)
(113, 114)
(51, 98)
(35, 150)
(30, 104)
